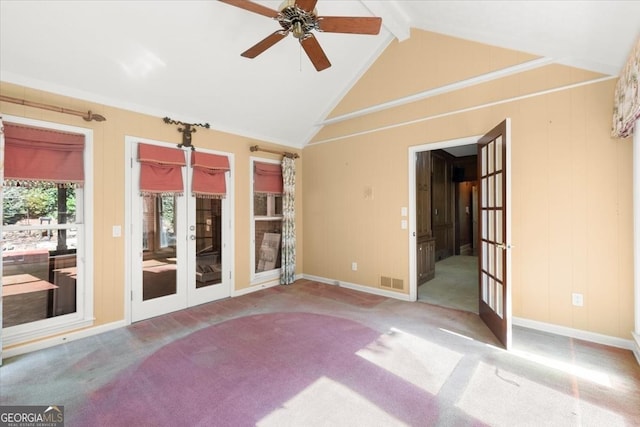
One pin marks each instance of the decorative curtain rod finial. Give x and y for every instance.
(91, 116)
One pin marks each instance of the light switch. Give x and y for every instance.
(403, 224)
(116, 231)
(403, 211)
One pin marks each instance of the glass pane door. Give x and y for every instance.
(159, 259)
(209, 277)
(180, 245)
(208, 241)
(494, 286)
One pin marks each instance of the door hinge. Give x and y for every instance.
(131, 161)
(131, 295)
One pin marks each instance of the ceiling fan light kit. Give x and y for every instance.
(300, 18)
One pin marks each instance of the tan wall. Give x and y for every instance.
(572, 225)
(109, 185)
(572, 195)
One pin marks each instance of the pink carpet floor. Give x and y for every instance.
(253, 370)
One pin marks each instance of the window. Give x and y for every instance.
(267, 218)
(44, 267)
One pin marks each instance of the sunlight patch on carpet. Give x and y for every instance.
(490, 387)
(597, 377)
(418, 361)
(333, 403)
(456, 334)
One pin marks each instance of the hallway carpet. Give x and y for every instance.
(311, 354)
(455, 284)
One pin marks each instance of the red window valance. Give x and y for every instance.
(37, 156)
(209, 175)
(267, 178)
(160, 170)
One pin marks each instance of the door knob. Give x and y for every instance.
(504, 246)
(192, 237)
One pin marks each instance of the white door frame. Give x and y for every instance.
(127, 230)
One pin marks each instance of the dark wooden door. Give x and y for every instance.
(494, 295)
(442, 205)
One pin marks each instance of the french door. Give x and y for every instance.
(180, 247)
(494, 277)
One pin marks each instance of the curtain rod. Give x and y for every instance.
(88, 116)
(283, 153)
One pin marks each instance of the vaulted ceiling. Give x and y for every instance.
(182, 58)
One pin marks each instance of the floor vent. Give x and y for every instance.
(385, 282)
(391, 283)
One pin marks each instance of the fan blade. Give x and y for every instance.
(307, 5)
(264, 44)
(315, 53)
(350, 24)
(252, 7)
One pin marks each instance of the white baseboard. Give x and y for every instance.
(361, 288)
(255, 288)
(636, 346)
(575, 333)
(260, 286)
(60, 339)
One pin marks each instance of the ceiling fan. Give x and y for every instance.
(300, 17)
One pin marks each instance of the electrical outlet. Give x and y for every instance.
(577, 299)
(354, 266)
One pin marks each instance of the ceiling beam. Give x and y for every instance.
(429, 93)
(392, 16)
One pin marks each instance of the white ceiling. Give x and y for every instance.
(182, 58)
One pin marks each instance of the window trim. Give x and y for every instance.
(84, 315)
(263, 276)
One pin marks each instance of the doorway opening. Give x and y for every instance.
(493, 176)
(446, 184)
